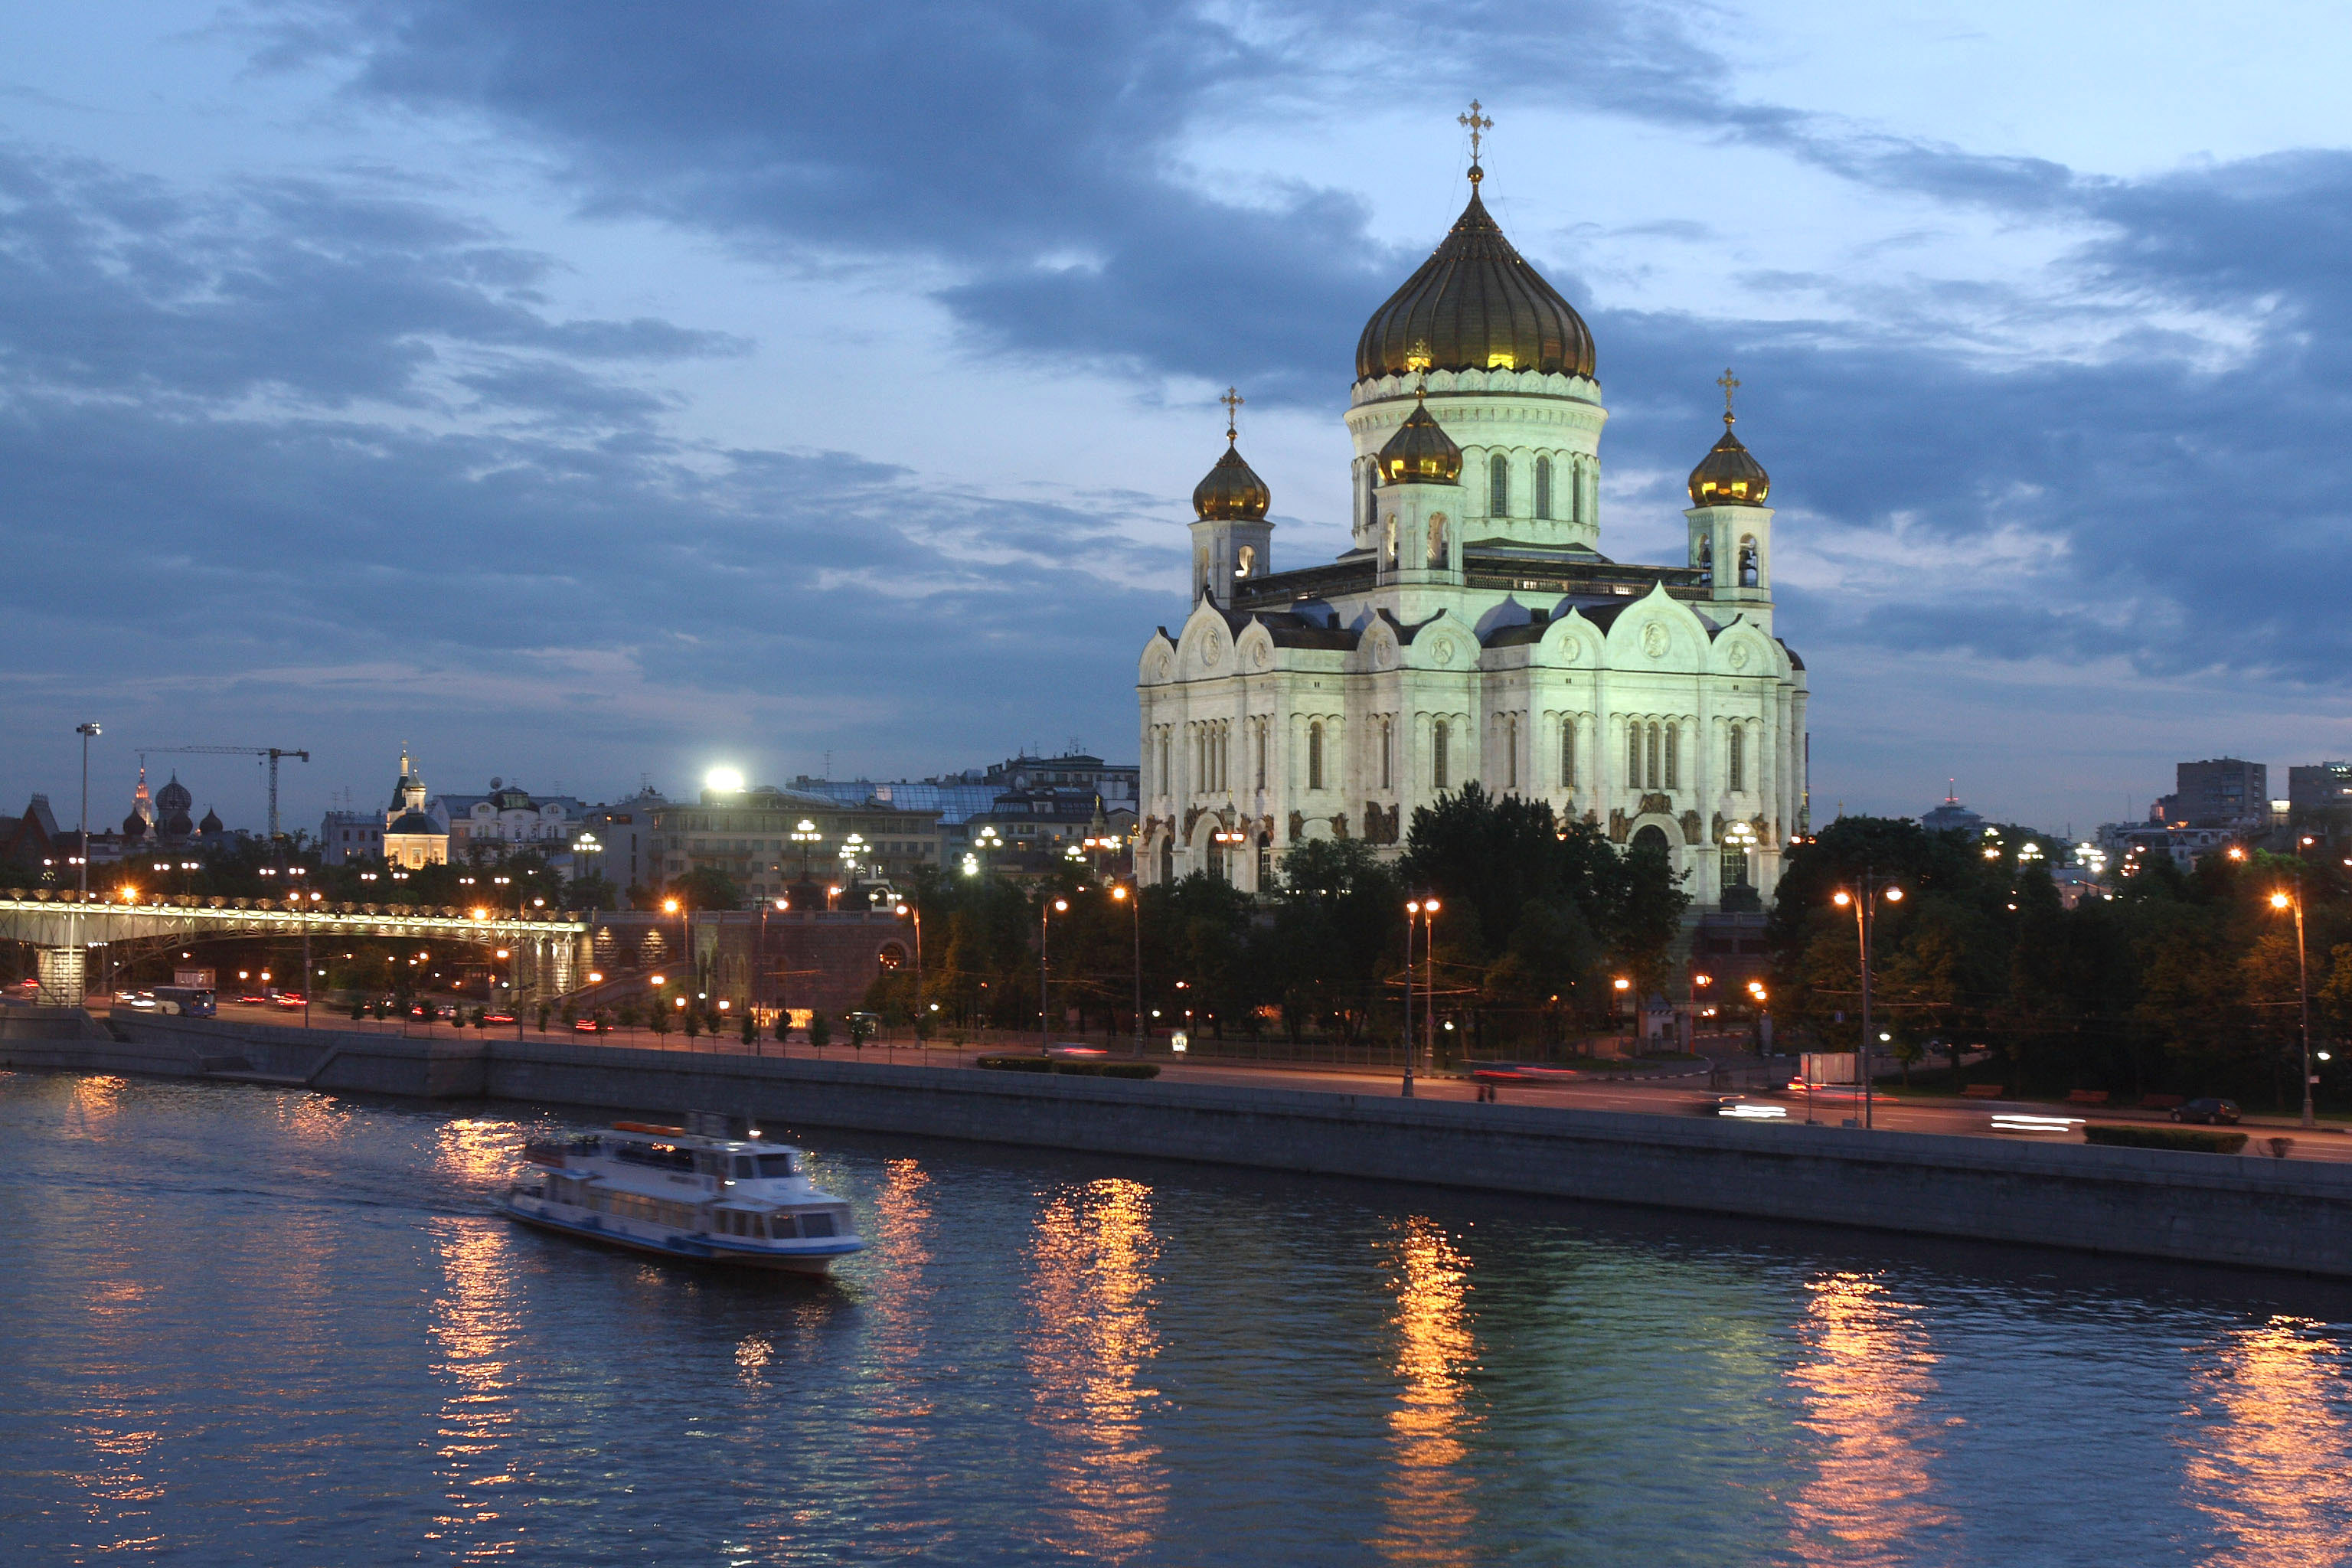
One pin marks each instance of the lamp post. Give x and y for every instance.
(804, 837)
(2284, 900)
(1866, 904)
(984, 844)
(1425, 910)
(917, 915)
(1046, 913)
(1133, 899)
(88, 733)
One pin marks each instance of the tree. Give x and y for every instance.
(819, 1030)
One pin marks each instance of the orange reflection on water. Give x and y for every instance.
(480, 1151)
(2268, 1476)
(1091, 1291)
(475, 1328)
(1863, 1391)
(1431, 1515)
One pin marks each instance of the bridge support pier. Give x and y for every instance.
(63, 973)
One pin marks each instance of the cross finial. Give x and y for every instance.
(1730, 383)
(1232, 400)
(1476, 123)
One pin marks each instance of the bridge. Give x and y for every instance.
(548, 945)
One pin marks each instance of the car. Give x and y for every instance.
(585, 1026)
(291, 1001)
(2208, 1110)
(1740, 1109)
(1076, 1053)
(138, 1001)
(446, 1010)
(497, 1017)
(419, 1010)
(30, 982)
(259, 999)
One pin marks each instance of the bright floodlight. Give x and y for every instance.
(725, 780)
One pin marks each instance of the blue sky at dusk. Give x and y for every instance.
(581, 393)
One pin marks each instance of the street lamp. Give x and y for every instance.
(1134, 902)
(917, 914)
(1865, 906)
(2285, 901)
(1046, 913)
(984, 843)
(88, 733)
(853, 848)
(1425, 910)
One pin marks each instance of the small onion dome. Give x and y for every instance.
(211, 824)
(134, 827)
(1233, 492)
(174, 796)
(1476, 304)
(1728, 475)
(1420, 452)
(177, 826)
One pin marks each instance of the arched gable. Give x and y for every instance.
(1157, 663)
(1658, 632)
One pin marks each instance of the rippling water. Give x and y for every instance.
(245, 1325)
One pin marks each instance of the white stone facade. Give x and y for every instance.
(1466, 639)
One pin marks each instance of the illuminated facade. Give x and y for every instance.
(1473, 630)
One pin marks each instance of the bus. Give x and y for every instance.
(194, 1001)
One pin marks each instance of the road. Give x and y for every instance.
(1665, 1097)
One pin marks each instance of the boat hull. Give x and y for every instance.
(814, 1257)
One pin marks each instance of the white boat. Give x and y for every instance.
(714, 1192)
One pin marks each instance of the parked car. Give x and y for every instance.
(2209, 1111)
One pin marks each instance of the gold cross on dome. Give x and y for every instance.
(1730, 383)
(1232, 400)
(1476, 123)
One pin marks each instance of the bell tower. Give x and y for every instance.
(1730, 526)
(1231, 541)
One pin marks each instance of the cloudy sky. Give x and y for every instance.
(581, 393)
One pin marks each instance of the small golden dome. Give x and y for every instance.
(1233, 491)
(1729, 475)
(1420, 453)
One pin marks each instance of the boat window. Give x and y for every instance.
(816, 1224)
(776, 1165)
(743, 1166)
(663, 1156)
(781, 1226)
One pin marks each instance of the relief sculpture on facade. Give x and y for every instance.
(1690, 828)
(1620, 824)
(1297, 827)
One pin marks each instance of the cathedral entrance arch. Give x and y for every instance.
(1654, 837)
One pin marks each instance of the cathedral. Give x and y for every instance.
(1474, 630)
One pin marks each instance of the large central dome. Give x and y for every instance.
(1476, 304)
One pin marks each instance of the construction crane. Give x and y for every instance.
(272, 753)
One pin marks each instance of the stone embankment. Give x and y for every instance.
(2206, 1208)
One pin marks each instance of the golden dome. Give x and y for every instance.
(1233, 491)
(1729, 475)
(1420, 453)
(1476, 304)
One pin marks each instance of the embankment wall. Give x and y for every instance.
(2206, 1208)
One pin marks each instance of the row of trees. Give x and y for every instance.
(2161, 981)
(1536, 919)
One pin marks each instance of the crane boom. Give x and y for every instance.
(272, 753)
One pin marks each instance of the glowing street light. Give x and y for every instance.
(1864, 905)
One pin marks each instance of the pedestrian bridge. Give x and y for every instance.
(64, 926)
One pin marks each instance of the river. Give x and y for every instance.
(239, 1324)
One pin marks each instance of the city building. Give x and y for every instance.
(2320, 792)
(787, 844)
(508, 818)
(1048, 804)
(348, 836)
(413, 836)
(615, 841)
(1951, 815)
(1473, 631)
(2221, 792)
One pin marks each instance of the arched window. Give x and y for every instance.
(1498, 486)
(1632, 755)
(1653, 840)
(1387, 728)
(1749, 562)
(1735, 865)
(1167, 859)
(1265, 862)
(1543, 488)
(1389, 547)
(1673, 736)
(1261, 752)
(1568, 751)
(1702, 557)
(1652, 755)
(1735, 766)
(1314, 756)
(1511, 752)
(1437, 770)
(1371, 494)
(1437, 539)
(1246, 561)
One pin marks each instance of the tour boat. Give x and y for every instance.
(711, 1192)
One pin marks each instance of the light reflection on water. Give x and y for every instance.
(281, 1327)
